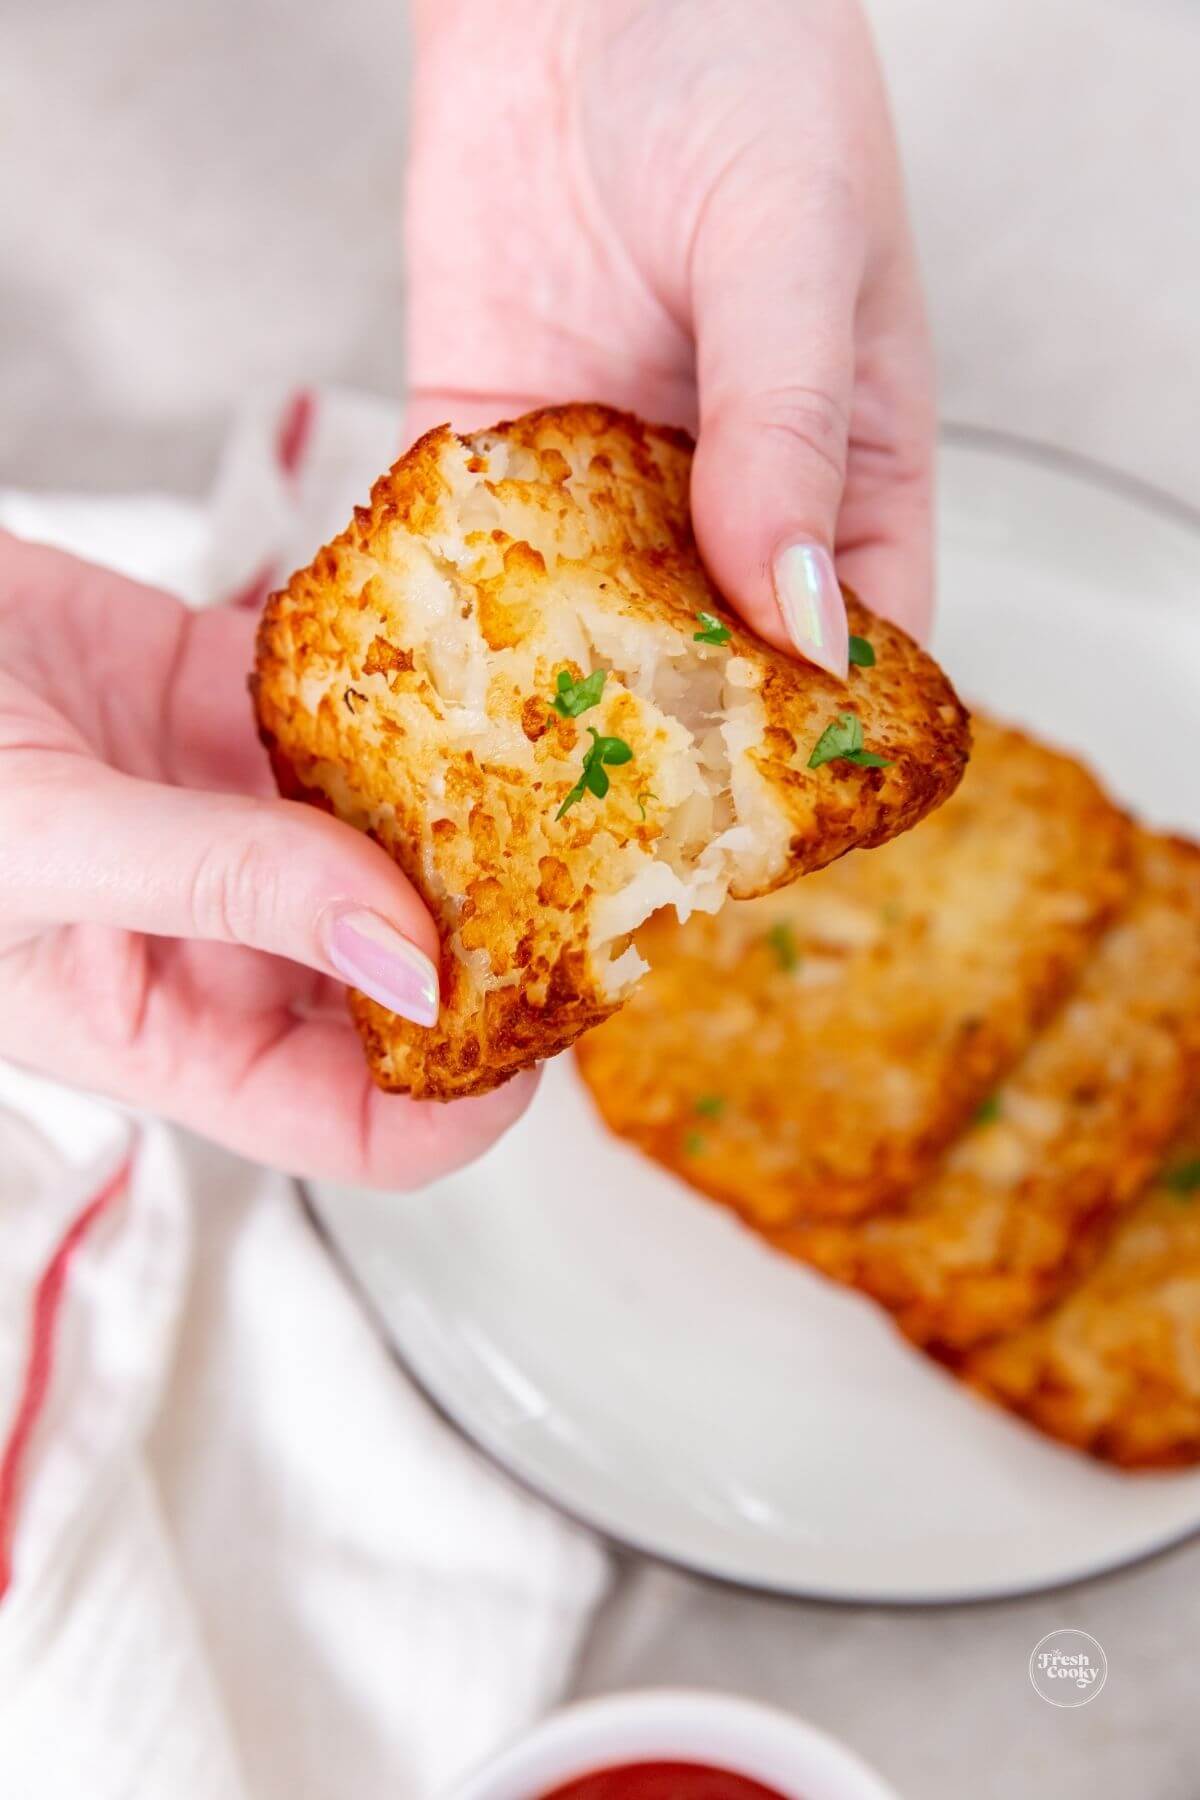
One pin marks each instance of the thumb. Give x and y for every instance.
(275, 875)
(774, 289)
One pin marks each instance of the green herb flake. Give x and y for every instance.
(862, 653)
(713, 632)
(641, 799)
(710, 1106)
(782, 940)
(693, 1144)
(575, 697)
(987, 1112)
(592, 779)
(843, 742)
(1184, 1179)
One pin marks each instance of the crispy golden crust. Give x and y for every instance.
(1114, 1368)
(919, 975)
(403, 681)
(1018, 1208)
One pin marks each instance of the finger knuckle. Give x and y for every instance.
(235, 892)
(808, 419)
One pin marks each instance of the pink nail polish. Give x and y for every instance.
(811, 606)
(373, 956)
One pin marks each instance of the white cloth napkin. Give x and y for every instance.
(244, 1559)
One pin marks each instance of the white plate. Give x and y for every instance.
(631, 1353)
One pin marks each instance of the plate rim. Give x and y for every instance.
(621, 1544)
(1163, 502)
(1148, 497)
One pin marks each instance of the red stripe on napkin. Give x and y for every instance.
(252, 597)
(39, 1365)
(295, 429)
(293, 436)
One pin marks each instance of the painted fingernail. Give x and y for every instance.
(811, 605)
(372, 955)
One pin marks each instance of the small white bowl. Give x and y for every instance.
(673, 1725)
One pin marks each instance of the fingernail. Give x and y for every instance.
(372, 955)
(811, 605)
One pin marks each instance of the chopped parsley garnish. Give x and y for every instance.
(862, 653)
(710, 1106)
(575, 697)
(713, 631)
(782, 940)
(987, 1112)
(693, 1144)
(843, 742)
(592, 779)
(1184, 1178)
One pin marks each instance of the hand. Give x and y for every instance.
(172, 936)
(692, 209)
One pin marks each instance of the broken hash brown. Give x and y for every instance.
(501, 671)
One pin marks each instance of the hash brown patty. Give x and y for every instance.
(1019, 1206)
(811, 1053)
(1114, 1368)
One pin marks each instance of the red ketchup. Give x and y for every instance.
(663, 1781)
